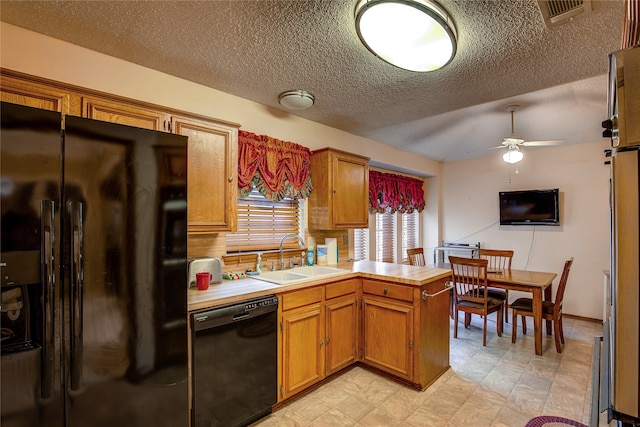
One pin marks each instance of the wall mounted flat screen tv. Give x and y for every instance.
(529, 207)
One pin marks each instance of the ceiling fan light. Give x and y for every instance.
(512, 156)
(416, 35)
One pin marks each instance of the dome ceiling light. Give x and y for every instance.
(416, 35)
(296, 100)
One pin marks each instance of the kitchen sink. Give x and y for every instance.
(318, 270)
(299, 274)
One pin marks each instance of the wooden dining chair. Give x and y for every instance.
(416, 256)
(469, 277)
(550, 310)
(499, 261)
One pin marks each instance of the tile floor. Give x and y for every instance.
(500, 385)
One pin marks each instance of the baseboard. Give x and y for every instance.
(586, 319)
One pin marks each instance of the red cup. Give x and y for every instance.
(203, 279)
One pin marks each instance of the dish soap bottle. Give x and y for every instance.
(311, 256)
(259, 264)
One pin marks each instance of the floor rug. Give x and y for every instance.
(549, 421)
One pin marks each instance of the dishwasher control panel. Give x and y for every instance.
(261, 303)
(208, 318)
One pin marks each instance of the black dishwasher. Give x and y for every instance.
(234, 363)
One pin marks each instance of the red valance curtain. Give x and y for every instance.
(277, 169)
(400, 193)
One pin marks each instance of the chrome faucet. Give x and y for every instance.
(282, 267)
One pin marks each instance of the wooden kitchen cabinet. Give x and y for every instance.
(212, 190)
(341, 335)
(387, 328)
(302, 341)
(405, 329)
(212, 159)
(18, 90)
(212, 174)
(340, 196)
(115, 111)
(319, 334)
(433, 332)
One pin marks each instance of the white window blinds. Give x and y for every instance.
(262, 223)
(409, 232)
(360, 244)
(385, 236)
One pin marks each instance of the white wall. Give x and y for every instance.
(470, 214)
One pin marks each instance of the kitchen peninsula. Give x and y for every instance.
(392, 318)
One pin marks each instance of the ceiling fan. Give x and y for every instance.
(513, 142)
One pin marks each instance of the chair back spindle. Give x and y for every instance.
(498, 260)
(470, 278)
(416, 256)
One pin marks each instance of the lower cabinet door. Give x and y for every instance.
(303, 349)
(341, 332)
(388, 336)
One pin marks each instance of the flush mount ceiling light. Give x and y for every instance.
(296, 99)
(513, 155)
(417, 35)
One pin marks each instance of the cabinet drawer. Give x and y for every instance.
(301, 298)
(389, 290)
(338, 289)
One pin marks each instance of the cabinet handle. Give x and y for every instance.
(335, 191)
(328, 339)
(385, 291)
(321, 343)
(230, 179)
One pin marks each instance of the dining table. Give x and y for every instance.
(538, 283)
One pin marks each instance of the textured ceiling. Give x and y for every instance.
(258, 49)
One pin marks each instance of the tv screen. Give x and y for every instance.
(529, 207)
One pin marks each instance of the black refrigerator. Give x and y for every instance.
(93, 270)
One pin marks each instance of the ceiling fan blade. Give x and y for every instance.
(485, 149)
(544, 143)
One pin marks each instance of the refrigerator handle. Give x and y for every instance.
(77, 283)
(47, 272)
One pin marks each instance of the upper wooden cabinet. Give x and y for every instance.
(212, 174)
(31, 94)
(212, 159)
(340, 196)
(124, 114)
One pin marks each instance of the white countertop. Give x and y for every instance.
(231, 291)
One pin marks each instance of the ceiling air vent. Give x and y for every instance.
(556, 12)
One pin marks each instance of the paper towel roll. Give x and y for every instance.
(332, 250)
